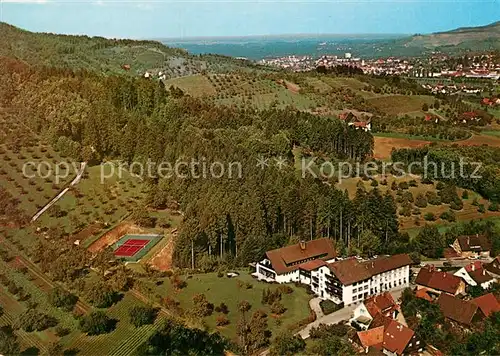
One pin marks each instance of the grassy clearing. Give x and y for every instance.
(400, 104)
(407, 136)
(194, 85)
(231, 292)
(491, 133)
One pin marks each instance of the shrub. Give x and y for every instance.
(328, 307)
(60, 298)
(433, 198)
(440, 185)
(96, 323)
(465, 194)
(221, 320)
(448, 216)
(413, 183)
(284, 289)
(404, 185)
(374, 183)
(201, 306)
(32, 320)
(277, 308)
(481, 208)
(142, 315)
(493, 206)
(430, 216)
(421, 201)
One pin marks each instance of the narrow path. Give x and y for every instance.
(61, 194)
(316, 308)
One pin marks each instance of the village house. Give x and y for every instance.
(351, 281)
(472, 246)
(357, 120)
(488, 304)
(389, 337)
(474, 274)
(439, 282)
(381, 304)
(494, 267)
(460, 311)
(294, 263)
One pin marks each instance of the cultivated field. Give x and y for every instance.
(194, 85)
(124, 340)
(383, 146)
(400, 104)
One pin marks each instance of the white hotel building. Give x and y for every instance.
(345, 281)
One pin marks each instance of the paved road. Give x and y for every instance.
(338, 316)
(64, 191)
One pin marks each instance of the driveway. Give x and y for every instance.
(338, 316)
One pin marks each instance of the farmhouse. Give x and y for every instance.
(294, 263)
(439, 282)
(472, 246)
(351, 281)
(460, 311)
(475, 275)
(390, 337)
(357, 120)
(382, 304)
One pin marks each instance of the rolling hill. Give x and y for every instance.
(472, 38)
(110, 56)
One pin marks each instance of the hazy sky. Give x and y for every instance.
(186, 18)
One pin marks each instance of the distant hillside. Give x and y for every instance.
(107, 55)
(467, 38)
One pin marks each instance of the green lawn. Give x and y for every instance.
(228, 291)
(491, 133)
(407, 136)
(400, 104)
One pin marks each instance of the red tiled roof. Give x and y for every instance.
(422, 293)
(488, 304)
(480, 276)
(350, 270)
(372, 337)
(473, 266)
(396, 337)
(387, 263)
(312, 265)
(442, 281)
(289, 258)
(474, 243)
(457, 309)
(494, 266)
(380, 304)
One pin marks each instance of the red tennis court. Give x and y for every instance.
(131, 247)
